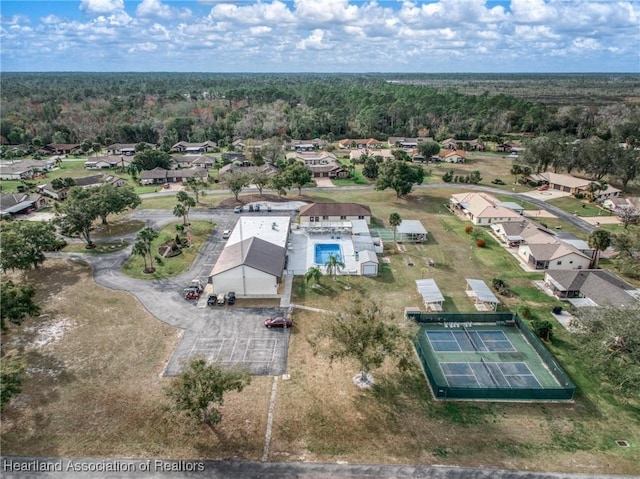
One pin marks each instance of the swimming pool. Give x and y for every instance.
(323, 250)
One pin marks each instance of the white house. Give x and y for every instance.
(482, 208)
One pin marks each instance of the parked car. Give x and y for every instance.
(221, 300)
(543, 188)
(212, 299)
(256, 208)
(231, 297)
(197, 285)
(226, 234)
(237, 209)
(192, 294)
(278, 322)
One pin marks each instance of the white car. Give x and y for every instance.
(226, 234)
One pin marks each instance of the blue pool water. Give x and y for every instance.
(323, 250)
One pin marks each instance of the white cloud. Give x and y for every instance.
(156, 9)
(315, 41)
(315, 11)
(100, 7)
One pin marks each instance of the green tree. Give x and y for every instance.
(400, 155)
(365, 334)
(428, 148)
(400, 177)
(23, 243)
(142, 247)
(110, 199)
(543, 329)
(11, 377)
(610, 345)
(626, 166)
(150, 159)
(474, 177)
(298, 175)
(187, 202)
(195, 186)
(76, 215)
(333, 264)
(202, 387)
(235, 181)
(279, 183)
(394, 221)
(627, 245)
(260, 179)
(17, 303)
(516, 171)
(599, 240)
(313, 274)
(370, 168)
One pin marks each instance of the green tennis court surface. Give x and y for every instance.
(488, 358)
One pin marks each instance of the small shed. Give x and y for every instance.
(367, 263)
(412, 231)
(431, 294)
(482, 296)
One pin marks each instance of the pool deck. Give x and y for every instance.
(301, 251)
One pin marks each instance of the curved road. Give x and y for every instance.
(156, 297)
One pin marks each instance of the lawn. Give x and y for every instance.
(110, 352)
(578, 207)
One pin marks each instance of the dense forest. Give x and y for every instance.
(164, 108)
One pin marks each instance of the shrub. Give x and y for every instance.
(533, 184)
(481, 243)
(578, 195)
(468, 229)
(498, 181)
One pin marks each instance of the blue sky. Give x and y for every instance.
(351, 36)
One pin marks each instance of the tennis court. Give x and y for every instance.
(487, 356)
(467, 341)
(489, 374)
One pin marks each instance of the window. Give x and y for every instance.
(361, 217)
(559, 263)
(325, 217)
(343, 217)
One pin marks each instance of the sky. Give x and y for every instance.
(335, 36)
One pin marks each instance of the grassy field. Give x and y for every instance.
(578, 207)
(102, 351)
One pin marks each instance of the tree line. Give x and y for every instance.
(163, 109)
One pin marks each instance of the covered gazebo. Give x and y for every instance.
(412, 231)
(482, 296)
(430, 293)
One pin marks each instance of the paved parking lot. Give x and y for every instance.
(234, 337)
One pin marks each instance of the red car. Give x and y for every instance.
(278, 322)
(543, 187)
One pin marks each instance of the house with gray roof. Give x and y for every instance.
(333, 212)
(592, 287)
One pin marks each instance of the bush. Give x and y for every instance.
(533, 184)
(481, 243)
(578, 195)
(468, 229)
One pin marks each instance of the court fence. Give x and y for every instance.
(443, 391)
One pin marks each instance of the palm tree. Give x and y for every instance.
(395, 220)
(187, 202)
(313, 274)
(516, 170)
(332, 265)
(180, 210)
(599, 240)
(142, 247)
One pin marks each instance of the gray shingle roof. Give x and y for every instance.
(253, 252)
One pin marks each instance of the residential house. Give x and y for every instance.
(617, 204)
(20, 203)
(233, 156)
(16, 171)
(122, 149)
(592, 287)
(63, 148)
(360, 143)
(385, 153)
(305, 145)
(506, 147)
(482, 208)
(573, 185)
(406, 143)
(248, 145)
(323, 164)
(107, 163)
(449, 156)
(334, 212)
(553, 255)
(194, 148)
(468, 145)
(161, 176)
(204, 161)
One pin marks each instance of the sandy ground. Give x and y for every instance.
(324, 183)
(602, 220)
(546, 195)
(538, 214)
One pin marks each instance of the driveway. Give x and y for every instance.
(233, 336)
(324, 183)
